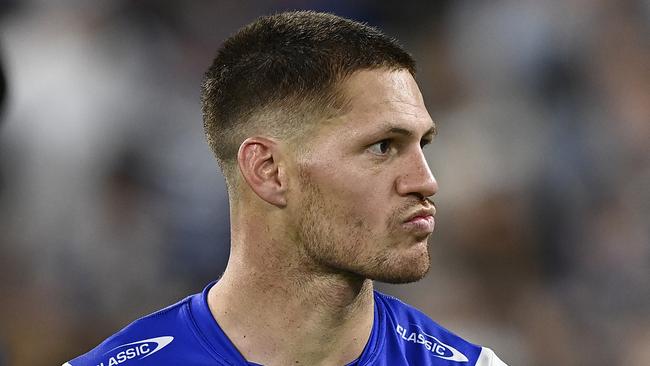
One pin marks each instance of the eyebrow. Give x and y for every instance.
(402, 131)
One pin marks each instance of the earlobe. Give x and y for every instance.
(259, 161)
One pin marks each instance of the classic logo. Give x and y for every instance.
(431, 343)
(139, 349)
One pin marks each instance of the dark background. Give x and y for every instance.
(111, 205)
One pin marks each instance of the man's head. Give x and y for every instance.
(318, 123)
(279, 76)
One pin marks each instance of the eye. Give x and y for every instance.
(380, 148)
(424, 142)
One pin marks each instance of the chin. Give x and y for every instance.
(402, 277)
(404, 270)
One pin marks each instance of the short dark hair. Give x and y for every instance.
(274, 73)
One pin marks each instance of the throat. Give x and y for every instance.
(324, 321)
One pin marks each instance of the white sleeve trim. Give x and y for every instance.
(488, 358)
(66, 364)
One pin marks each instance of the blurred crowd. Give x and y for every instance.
(111, 205)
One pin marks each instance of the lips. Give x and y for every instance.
(421, 212)
(421, 221)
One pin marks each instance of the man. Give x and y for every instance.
(318, 126)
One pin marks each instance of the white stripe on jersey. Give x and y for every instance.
(487, 358)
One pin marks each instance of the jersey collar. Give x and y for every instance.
(218, 342)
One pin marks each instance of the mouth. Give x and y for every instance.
(421, 221)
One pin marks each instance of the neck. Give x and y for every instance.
(279, 311)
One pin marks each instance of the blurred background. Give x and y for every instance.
(111, 205)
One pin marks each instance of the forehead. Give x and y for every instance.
(380, 97)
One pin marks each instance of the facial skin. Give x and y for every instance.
(363, 179)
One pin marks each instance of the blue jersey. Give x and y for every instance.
(187, 334)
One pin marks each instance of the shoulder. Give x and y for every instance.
(422, 341)
(162, 338)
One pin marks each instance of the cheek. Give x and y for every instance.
(351, 179)
(357, 207)
(356, 197)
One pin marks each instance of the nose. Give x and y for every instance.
(416, 178)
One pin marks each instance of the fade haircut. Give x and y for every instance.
(278, 76)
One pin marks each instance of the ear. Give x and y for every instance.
(258, 160)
